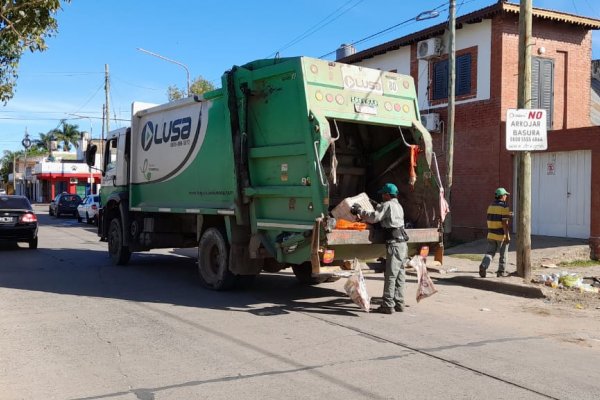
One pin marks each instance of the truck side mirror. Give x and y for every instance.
(90, 155)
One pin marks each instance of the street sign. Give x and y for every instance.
(526, 130)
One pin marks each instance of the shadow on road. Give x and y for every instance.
(159, 278)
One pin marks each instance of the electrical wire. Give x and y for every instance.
(386, 30)
(318, 26)
(89, 99)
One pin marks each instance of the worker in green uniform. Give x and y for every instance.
(390, 215)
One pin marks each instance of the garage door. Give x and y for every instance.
(561, 194)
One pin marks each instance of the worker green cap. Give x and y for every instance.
(501, 192)
(389, 188)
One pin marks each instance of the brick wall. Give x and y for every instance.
(481, 163)
(570, 48)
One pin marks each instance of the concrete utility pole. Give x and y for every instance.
(524, 157)
(451, 91)
(106, 94)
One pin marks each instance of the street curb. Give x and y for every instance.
(493, 285)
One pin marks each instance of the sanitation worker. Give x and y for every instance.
(391, 217)
(498, 237)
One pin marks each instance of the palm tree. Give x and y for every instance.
(67, 135)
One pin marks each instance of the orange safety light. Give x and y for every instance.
(328, 256)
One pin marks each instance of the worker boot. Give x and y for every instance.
(399, 307)
(384, 310)
(482, 271)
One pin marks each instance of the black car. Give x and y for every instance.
(64, 203)
(18, 222)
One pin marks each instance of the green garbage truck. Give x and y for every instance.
(249, 173)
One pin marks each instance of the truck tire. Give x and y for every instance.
(213, 261)
(119, 254)
(303, 273)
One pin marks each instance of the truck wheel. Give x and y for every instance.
(119, 254)
(303, 273)
(213, 261)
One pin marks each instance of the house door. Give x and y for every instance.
(561, 194)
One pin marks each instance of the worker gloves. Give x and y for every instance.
(356, 209)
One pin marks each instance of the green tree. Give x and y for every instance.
(6, 163)
(24, 25)
(67, 135)
(198, 86)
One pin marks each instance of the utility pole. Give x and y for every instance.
(524, 157)
(106, 94)
(451, 91)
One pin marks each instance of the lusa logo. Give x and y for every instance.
(172, 131)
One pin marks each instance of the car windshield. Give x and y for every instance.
(14, 203)
(70, 199)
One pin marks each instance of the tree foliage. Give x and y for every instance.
(198, 86)
(24, 25)
(67, 135)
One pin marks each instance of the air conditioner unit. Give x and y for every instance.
(429, 48)
(431, 122)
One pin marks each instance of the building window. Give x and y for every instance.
(542, 86)
(463, 77)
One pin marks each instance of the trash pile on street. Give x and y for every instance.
(566, 280)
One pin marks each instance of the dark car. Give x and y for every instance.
(18, 222)
(64, 203)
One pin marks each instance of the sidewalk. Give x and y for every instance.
(461, 264)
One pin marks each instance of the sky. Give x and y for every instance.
(209, 37)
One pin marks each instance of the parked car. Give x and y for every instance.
(18, 222)
(64, 203)
(88, 209)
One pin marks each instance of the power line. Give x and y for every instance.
(386, 30)
(90, 99)
(318, 26)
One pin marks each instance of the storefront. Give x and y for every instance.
(52, 178)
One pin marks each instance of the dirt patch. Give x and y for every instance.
(572, 297)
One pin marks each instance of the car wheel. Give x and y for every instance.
(87, 218)
(79, 219)
(213, 261)
(119, 254)
(33, 243)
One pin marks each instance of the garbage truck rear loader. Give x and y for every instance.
(250, 172)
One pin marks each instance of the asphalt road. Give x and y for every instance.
(76, 327)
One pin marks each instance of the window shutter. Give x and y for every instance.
(463, 75)
(542, 86)
(535, 82)
(440, 80)
(547, 89)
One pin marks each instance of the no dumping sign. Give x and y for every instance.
(526, 130)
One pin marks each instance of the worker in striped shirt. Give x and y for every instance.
(498, 237)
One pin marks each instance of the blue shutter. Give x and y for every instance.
(463, 75)
(440, 80)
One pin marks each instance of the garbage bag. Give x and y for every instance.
(356, 289)
(425, 286)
